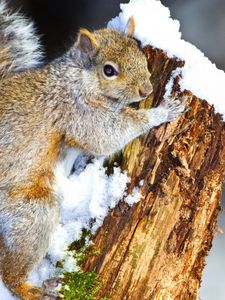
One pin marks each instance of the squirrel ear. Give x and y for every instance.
(86, 42)
(130, 27)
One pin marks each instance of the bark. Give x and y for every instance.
(156, 249)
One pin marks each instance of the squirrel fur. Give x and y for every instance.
(81, 101)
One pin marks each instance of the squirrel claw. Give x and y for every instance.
(174, 107)
(51, 289)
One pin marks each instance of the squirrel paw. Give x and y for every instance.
(51, 289)
(173, 107)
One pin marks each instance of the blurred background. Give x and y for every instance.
(202, 23)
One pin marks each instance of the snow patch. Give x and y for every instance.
(134, 197)
(5, 294)
(170, 83)
(86, 196)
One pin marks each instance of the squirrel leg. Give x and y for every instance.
(26, 291)
(167, 111)
(129, 124)
(27, 229)
(14, 273)
(137, 122)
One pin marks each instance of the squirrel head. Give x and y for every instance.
(115, 64)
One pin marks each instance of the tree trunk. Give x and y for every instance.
(156, 249)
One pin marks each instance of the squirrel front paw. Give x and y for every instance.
(168, 110)
(172, 108)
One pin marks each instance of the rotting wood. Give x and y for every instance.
(157, 248)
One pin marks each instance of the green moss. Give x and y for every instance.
(81, 286)
(84, 253)
(82, 249)
(137, 252)
(117, 285)
(82, 242)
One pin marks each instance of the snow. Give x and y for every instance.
(85, 195)
(170, 83)
(134, 197)
(154, 26)
(5, 294)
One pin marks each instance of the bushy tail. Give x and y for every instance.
(19, 44)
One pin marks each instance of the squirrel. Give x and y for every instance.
(80, 100)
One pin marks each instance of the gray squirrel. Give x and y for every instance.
(81, 101)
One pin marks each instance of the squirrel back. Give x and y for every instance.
(19, 44)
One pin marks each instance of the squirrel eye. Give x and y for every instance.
(110, 71)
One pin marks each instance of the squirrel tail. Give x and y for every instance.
(19, 45)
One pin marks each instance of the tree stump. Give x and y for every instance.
(156, 249)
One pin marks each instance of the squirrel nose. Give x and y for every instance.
(145, 90)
